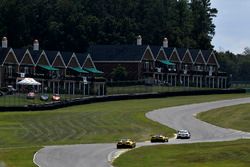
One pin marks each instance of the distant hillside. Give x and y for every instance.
(74, 24)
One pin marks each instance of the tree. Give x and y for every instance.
(184, 25)
(246, 51)
(203, 27)
(119, 73)
(237, 65)
(75, 24)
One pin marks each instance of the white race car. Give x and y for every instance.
(183, 134)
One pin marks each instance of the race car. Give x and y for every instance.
(159, 138)
(126, 143)
(183, 134)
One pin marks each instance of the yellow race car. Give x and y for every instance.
(159, 138)
(126, 143)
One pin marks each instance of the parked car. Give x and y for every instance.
(11, 89)
(183, 134)
(56, 97)
(44, 97)
(31, 95)
(159, 138)
(126, 143)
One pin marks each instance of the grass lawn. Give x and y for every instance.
(234, 117)
(17, 157)
(92, 123)
(220, 154)
(20, 99)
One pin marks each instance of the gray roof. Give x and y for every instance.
(35, 55)
(155, 50)
(51, 55)
(168, 51)
(19, 54)
(3, 53)
(206, 54)
(181, 52)
(66, 57)
(194, 53)
(81, 57)
(117, 52)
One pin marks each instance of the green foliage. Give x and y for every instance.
(119, 73)
(237, 65)
(74, 24)
(203, 27)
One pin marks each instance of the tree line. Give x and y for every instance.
(75, 24)
(236, 65)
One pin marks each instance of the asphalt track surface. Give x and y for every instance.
(180, 117)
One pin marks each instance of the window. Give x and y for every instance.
(146, 66)
(186, 67)
(198, 68)
(26, 70)
(10, 68)
(211, 68)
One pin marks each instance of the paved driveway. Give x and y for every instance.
(181, 117)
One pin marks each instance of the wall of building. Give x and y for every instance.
(107, 68)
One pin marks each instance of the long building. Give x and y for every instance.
(161, 64)
(59, 72)
(87, 73)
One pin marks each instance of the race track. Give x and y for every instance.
(180, 117)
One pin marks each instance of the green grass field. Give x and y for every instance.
(234, 117)
(220, 154)
(17, 157)
(20, 99)
(92, 123)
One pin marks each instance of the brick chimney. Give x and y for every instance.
(36, 45)
(139, 40)
(4, 42)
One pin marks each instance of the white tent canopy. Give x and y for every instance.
(28, 81)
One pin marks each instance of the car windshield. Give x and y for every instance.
(182, 131)
(124, 140)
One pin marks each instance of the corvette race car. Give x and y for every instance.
(159, 138)
(126, 143)
(183, 134)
